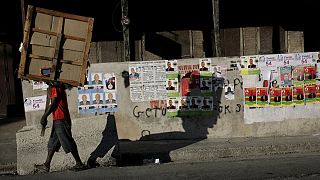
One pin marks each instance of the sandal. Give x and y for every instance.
(78, 167)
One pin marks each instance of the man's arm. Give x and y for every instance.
(51, 108)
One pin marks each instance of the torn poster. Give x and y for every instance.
(287, 96)
(262, 97)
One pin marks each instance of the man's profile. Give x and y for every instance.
(170, 87)
(96, 80)
(251, 65)
(97, 99)
(134, 74)
(171, 106)
(110, 99)
(203, 66)
(84, 100)
(169, 67)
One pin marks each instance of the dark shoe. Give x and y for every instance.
(41, 168)
(92, 164)
(78, 167)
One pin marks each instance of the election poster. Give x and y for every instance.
(250, 97)
(205, 65)
(287, 96)
(310, 94)
(298, 75)
(298, 95)
(285, 76)
(318, 93)
(39, 85)
(310, 74)
(229, 91)
(275, 97)
(36, 103)
(172, 106)
(262, 97)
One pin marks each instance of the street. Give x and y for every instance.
(290, 166)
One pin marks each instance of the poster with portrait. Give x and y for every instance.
(96, 79)
(298, 75)
(274, 77)
(264, 78)
(318, 73)
(318, 93)
(183, 104)
(275, 97)
(250, 97)
(306, 59)
(36, 103)
(195, 103)
(205, 65)
(218, 71)
(97, 98)
(171, 66)
(206, 85)
(310, 94)
(85, 105)
(287, 96)
(310, 75)
(229, 91)
(135, 72)
(249, 65)
(262, 96)
(285, 76)
(172, 87)
(172, 106)
(298, 95)
(268, 60)
(190, 83)
(109, 82)
(206, 104)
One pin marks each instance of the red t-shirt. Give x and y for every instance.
(62, 111)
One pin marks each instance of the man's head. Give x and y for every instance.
(286, 77)
(183, 102)
(169, 83)
(97, 96)
(215, 69)
(169, 64)
(84, 98)
(204, 102)
(170, 102)
(204, 83)
(193, 101)
(203, 64)
(96, 77)
(251, 61)
(229, 89)
(133, 70)
(110, 96)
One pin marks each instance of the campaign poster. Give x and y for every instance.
(149, 91)
(310, 74)
(287, 96)
(195, 103)
(109, 82)
(268, 60)
(310, 94)
(318, 72)
(298, 95)
(206, 104)
(36, 103)
(250, 97)
(205, 65)
(285, 76)
(262, 96)
(136, 93)
(249, 62)
(39, 85)
(183, 104)
(275, 97)
(206, 85)
(286, 60)
(298, 75)
(229, 91)
(171, 66)
(172, 106)
(190, 83)
(318, 93)
(96, 79)
(85, 105)
(264, 78)
(217, 70)
(135, 72)
(172, 87)
(306, 58)
(274, 77)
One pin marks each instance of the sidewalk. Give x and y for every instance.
(210, 149)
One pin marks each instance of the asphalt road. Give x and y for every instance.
(285, 167)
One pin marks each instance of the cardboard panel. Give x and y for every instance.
(70, 55)
(37, 64)
(55, 24)
(42, 51)
(40, 39)
(75, 28)
(43, 21)
(70, 72)
(250, 41)
(73, 45)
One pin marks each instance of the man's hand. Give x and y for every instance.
(44, 121)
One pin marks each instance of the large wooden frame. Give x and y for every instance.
(55, 40)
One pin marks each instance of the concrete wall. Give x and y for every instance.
(227, 121)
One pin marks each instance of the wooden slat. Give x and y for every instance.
(47, 79)
(26, 36)
(56, 50)
(55, 34)
(86, 51)
(62, 14)
(51, 59)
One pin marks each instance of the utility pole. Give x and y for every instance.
(215, 35)
(125, 21)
